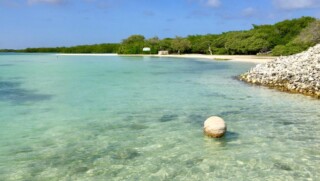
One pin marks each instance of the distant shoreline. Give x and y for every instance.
(86, 54)
(237, 58)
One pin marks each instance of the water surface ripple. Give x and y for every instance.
(123, 118)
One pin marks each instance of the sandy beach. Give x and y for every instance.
(238, 58)
(241, 58)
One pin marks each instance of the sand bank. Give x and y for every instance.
(86, 54)
(240, 58)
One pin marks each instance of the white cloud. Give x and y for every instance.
(46, 1)
(296, 4)
(9, 3)
(213, 3)
(208, 3)
(249, 12)
(149, 13)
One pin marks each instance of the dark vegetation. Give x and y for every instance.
(283, 38)
(98, 48)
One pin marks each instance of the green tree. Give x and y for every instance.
(310, 35)
(132, 45)
(165, 44)
(134, 39)
(180, 45)
(154, 44)
(201, 43)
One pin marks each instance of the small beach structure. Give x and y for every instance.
(163, 52)
(146, 49)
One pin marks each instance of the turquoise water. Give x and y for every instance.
(140, 118)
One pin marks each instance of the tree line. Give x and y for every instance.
(97, 48)
(283, 38)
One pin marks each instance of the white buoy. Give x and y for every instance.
(215, 127)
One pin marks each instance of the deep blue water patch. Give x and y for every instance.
(6, 65)
(168, 117)
(282, 166)
(11, 91)
(196, 119)
(227, 113)
(204, 66)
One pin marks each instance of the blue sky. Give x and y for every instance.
(47, 23)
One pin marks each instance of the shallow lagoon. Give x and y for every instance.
(140, 118)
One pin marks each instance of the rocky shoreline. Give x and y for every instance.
(299, 73)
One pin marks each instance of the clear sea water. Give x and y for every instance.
(141, 118)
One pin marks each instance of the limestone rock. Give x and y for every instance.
(299, 73)
(215, 127)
